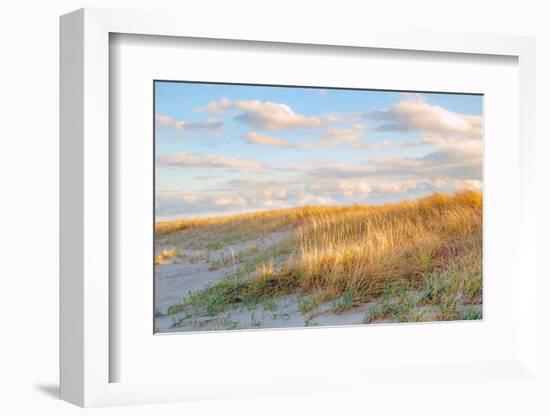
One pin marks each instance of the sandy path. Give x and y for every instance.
(197, 269)
(285, 315)
(200, 268)
(194, 271)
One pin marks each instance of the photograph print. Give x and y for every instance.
(294, 207)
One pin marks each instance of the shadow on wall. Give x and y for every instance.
(51, 390)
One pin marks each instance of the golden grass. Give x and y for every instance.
(260, 221)
(364, 249)
(353, 254)
(166, 254)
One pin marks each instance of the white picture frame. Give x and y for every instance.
(86, 355)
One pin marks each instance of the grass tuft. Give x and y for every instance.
(167, 254)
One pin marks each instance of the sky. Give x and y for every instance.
(224, 149)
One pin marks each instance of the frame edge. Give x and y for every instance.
(71, 202)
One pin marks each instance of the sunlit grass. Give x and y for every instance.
(412, 261)
(167, 254)
(362, 251)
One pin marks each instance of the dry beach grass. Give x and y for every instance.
(410, 261)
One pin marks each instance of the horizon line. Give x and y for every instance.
(243, 213)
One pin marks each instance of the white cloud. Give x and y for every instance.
(348, 118)
(210, 161)
(338, 188)
(416, 115)
(336, 136)
(265, 115)
(471, 184)
(332, 137)
(335, 170)
(387, 144)
(353, 188)
(312, 199)
(263, 139)
(451, 163)
(277, 194)
(395, 188)
(170, 123)
(465, 144)
(249, 196)
(218, 107)
(230, 201)
(184, 204)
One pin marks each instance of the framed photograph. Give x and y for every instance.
(285, 206)
(277, 212)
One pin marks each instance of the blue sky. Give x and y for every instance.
(225, 149)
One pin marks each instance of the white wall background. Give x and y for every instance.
(29, 184)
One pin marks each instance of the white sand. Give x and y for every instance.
(193, 272)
